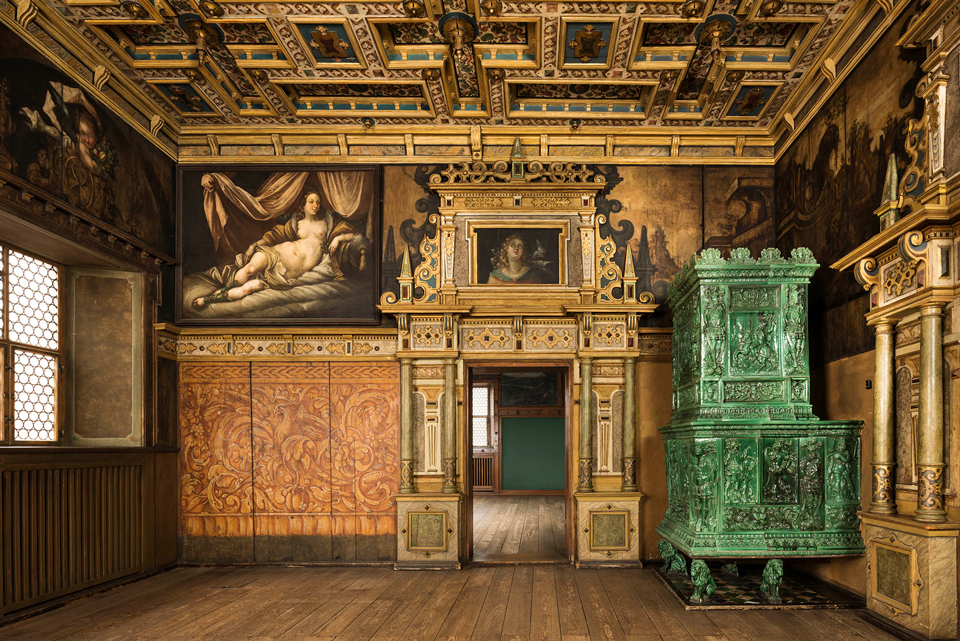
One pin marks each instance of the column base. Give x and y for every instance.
(585, 478)
(930, 494)
(884, 500)
(912, 575)
(629, 474)
(428, 532)
(406, 477)
(450, 476)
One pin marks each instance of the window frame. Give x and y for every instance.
(491, 445)
(8, 347)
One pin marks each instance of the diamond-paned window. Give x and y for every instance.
(29, 347)
(481, 415)
(34, 301)
(35, 396)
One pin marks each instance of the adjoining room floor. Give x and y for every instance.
(521, 602)
(527, 529)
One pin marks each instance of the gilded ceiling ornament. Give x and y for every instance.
(495, 75)
(203, 34)
(413, 8)
(692, 8)
(734, 76)
(491, 8)
(430, 74)
(587, 43)
(211, 8)
(459, 29)
(184, 99)
(769, 8)
(135, 10)
(752, 101)
(328, 44)
(669, 76)
(259, 75)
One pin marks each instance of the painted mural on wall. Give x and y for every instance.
(290, 246)
(662, 215)
(59, 138)
(829, 182)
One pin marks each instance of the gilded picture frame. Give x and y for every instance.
(494, 261)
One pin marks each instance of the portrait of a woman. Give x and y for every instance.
(511, 266)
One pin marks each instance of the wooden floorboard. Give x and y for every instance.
(515, 528)
(480, 603)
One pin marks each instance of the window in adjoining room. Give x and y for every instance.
(30, 348)
(481, 415)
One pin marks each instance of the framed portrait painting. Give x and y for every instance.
(534, 254)
(279, 246)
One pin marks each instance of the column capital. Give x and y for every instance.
(931, 309)
(884, 326)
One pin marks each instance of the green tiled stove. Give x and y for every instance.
(751, 472)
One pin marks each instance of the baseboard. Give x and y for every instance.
(894, 628)
(59, 602)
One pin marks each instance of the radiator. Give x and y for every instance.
(483, 472)
(66, 528)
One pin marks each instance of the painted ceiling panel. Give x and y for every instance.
(206, 63)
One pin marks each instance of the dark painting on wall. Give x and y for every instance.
(829, 182)
(59, 138)
(292, 246)
(738, 208)
(519, 255)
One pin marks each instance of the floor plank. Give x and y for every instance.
(528, 529)
(479, 603)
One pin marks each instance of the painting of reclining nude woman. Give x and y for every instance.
(286, 247)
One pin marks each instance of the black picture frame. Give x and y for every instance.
(193, 236)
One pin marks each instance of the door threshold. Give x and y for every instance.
(521, 559)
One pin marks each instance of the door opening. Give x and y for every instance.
(518, 446)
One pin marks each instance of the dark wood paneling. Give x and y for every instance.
(73, 520)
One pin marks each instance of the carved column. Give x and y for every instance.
(449, 426)
(930, 432)
(884, 458)
(586, 426)
(406, 426)
(629, 425)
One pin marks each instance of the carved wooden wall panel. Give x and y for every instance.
(289, 462)
(216, 465)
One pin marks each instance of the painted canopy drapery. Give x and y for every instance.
(236, 217)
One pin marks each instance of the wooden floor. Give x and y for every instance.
(517, 602)
(518, 528)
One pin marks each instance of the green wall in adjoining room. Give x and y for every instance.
(532, 453)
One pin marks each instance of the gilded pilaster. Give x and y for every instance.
(406, 426)
(629, 425)
(930, 432)
(883, 421)
(449, 445)
(586, 426)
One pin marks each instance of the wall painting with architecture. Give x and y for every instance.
(829, 182)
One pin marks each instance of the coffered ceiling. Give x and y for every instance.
(731, 73)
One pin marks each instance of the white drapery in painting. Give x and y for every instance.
(237, 218)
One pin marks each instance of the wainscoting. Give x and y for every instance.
(73, 519)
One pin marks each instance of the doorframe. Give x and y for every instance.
(566, 368)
